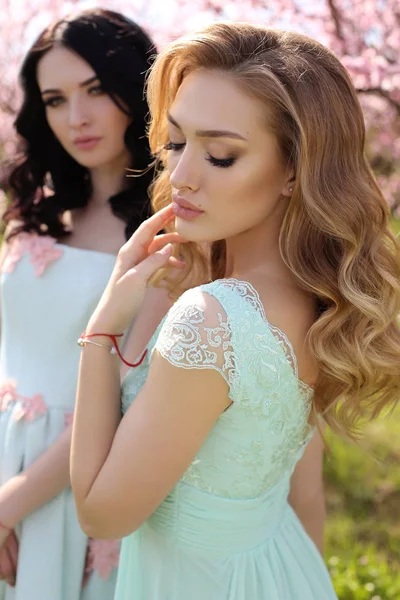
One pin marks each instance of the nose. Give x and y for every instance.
(184, 172)
(78, 116)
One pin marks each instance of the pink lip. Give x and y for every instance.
(184, 209)
(86, 142)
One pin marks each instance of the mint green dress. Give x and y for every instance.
(226, 531)
(48, 292)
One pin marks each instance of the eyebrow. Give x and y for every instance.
(82, 85)
(212, 133)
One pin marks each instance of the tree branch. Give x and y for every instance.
(382, 94)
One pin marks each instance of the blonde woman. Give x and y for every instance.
(262, 136)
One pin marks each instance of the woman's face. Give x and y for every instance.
(85, 120)
(225, 166)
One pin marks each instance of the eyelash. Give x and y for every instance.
(222, 163)
(55, 100)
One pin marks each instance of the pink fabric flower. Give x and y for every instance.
(30, 408)
(41, 248)
(8, 394)
(103, 556)
(17, 246)
(43, 252)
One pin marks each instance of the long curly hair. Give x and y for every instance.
(120, 53)
(335, 237)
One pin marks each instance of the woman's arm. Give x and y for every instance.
(39, 483)
(121, 472)
(307, 491)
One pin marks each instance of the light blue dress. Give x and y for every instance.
(226, 531)
(48, 293)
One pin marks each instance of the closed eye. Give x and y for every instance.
(173, 147)
(223, 163)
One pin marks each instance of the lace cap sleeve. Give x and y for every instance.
(196, 335)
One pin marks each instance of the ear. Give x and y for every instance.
(288, 188)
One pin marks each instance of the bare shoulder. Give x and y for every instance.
(293, 311)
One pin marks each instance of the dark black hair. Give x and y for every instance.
(120, 53)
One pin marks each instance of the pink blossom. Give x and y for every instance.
(363, 33)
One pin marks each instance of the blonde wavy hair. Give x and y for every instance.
(335, 237)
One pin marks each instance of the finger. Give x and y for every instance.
(162, 240)
(175, 263)
(6, 567)
(12, 546)
(85, 579)
(148, 267)
(147, 230)
(13, 570)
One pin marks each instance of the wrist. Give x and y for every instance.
(5, 527)
(98, 325)
(93, 336)
(11, 508)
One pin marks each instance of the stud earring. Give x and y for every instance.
(291, 189)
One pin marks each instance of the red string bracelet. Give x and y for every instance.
(113, 337)
(5, 526)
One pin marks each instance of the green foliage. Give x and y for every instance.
(363, 499)
(365, 576)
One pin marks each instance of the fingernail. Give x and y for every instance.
(167, 249)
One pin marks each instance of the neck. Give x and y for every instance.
(109, 179)
(255, 253)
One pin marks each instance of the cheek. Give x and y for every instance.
(258, 183)
(245, 196)
(112, 118)
(57, 123)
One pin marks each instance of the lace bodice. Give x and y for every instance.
(259, 438)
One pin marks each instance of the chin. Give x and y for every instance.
(194, 231)
(92, 160)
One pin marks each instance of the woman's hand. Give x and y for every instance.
(4, 533)
(138, 260)
(8, 556)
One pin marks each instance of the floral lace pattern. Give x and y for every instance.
(260, 437)
(28, 408)
(41, 249)
(187, 342)
(102, 557)
(251, 296)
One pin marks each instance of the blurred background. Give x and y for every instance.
(362, 483)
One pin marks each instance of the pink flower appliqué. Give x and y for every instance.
(8, 394)
(41, 248)
(29, 408)
(103, 557)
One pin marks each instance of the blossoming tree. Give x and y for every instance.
(365, 34)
